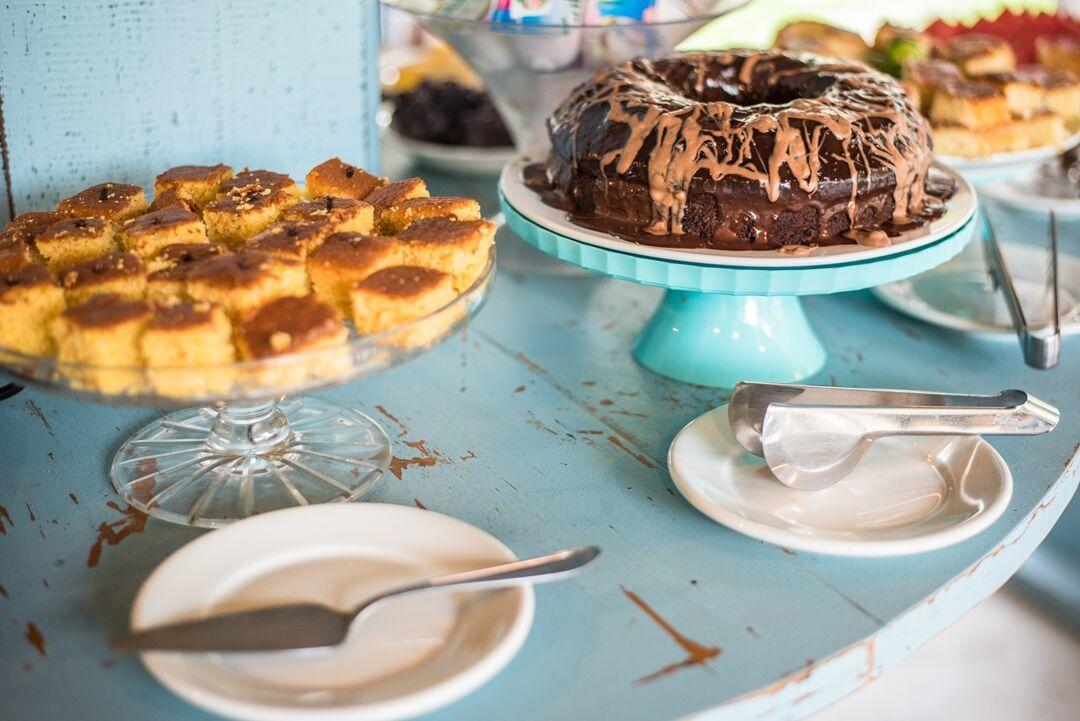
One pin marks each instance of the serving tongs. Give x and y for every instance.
(811, 437)
(1041, 347)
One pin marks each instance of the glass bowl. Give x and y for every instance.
(253, 445)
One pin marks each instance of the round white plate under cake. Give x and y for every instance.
(409, 656)
(908, 494)
(959, 209)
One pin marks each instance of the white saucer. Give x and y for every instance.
(412, 655)
(908, 495)
(453, 159)
(955, 295)
(525, 200)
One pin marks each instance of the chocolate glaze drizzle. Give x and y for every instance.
(783, 143)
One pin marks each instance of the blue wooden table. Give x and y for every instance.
(537, 426)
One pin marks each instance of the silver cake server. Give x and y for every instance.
(813, 436)
(312, 625)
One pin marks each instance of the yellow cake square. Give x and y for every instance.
(196, 184)
(29, 299)
(344, 215)
(345, 258)
(147, 234)
(186, 346)
(459, 247)
(339, 179)
(103, 332)
(396, 218)
(115, 202)
(116, 273)
(245, 280)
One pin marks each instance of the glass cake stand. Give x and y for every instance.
(731, 316)
(531, 60)
(254, 444)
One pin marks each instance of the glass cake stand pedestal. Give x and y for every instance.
(256, 443)
(733, 316)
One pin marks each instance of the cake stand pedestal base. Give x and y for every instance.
(712, 339)
(211, 466)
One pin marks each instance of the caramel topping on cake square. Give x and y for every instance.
(288, 325)
(291, 239)
(105, 311)
(343, 214)
(235, 270)
(15, 282)
(28, 226)
(75, 240)
(115, 202)
(29, 299)
(396, 218)
(116, 273)
(341, 180)
(347, 257)
(397, 192)
(15, 254)
(403, 281)
(147, 234)
(978, 54)
(255, 180)
(171, 197)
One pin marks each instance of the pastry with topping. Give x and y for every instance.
(295, 324)
(396, 218)
(188, 333)
(341, 180)
(345, 258)
(291, 239)
(117, 273)
(245, 280)
(171, 198)
(16, 254)
(344, 215)
(402, 294)
(26, 227)
(75, 240)
(169, 270)
(196, 185)
(977, 54)
(972, 104)
(102, 332)
(115, 202)
(244, 212)
(147, 234)
(29, 299)
(396, 192)
(462, 248)
(260, 180)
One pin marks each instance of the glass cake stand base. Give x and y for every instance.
(210, 466)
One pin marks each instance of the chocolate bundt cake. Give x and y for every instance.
(741, 150)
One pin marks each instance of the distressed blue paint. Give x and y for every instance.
(122, 90)
(522, 408)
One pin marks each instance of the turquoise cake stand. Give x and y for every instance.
(718, 325)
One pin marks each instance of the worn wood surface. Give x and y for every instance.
(537, 426)
(121, 90)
